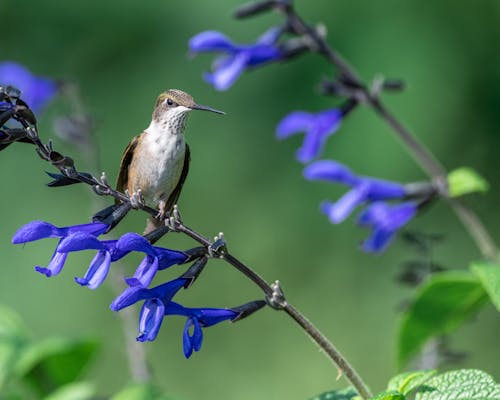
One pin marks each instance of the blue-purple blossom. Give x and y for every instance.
(316, 127)
(236, 58)
(384, 220)
(37, 230)
(36, 91)
(155, 301)
(157, 258)
(363, 189)
(100, 264)
(197, 318)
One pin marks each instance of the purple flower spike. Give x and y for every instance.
(36, 91)
(317, 128)
(157, 258)
(236, 58)
(385, 220)
(363, 189)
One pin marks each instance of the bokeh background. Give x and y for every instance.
(245, 183)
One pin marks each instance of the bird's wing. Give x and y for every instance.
(122, 181)
(172, 200)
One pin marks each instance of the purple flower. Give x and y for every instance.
(363, 189)
(99, 266)
(316, 127)
(36, 230)
(36, 91)
(197, 318)
(384, 220)
(236, 58)
(153, 309)
(157, 258)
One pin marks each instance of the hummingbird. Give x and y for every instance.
(155, 163)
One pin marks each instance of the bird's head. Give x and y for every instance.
(174, 104)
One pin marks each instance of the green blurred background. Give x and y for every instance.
(245, 183)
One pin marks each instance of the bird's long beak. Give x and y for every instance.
(206, 108)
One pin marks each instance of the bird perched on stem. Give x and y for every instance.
(155, 163)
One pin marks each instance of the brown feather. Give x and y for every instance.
(122, 181)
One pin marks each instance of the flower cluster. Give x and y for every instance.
(388, 206)
(157, 300)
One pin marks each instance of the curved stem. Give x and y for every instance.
(345, 368)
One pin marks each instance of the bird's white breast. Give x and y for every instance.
(165, 148)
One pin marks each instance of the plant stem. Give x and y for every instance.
(345, 368)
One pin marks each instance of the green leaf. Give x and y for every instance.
(13, 339)
(465, 180)
(74, 391)
(408, 381)
(54, 362)
(140, 391)
(390, 395)
(344, 394)
(465, 384)
(489, 275)
(440, 306)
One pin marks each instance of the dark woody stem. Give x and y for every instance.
(420, 153)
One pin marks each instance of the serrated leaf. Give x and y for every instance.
(54, 362)
(344, 394)
(140, 391)
(390, 395)
(440, 306)
(408, 381)
(74, 391)
(465, 180)
(13, 339)
(466, 384)
(489, 275)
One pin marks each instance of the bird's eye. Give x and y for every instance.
(170, 102)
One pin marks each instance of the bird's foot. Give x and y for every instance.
(162, 212)
(277, 298)
(136, 199)
(174, 219)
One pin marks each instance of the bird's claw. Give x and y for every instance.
(136, 199)
(173, 219)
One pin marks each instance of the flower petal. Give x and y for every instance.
(187, 342)
(210, 41)
(337, 212)
(80, 241)
(150, 320)
(35, 230)
(167, 257)
(55, 266)
(135, 242)
(269, 37)
(97, 271)
(197, 337)
(293, 123)
(332, 171)
(227, 73)
(144, 273)
(92, 228)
